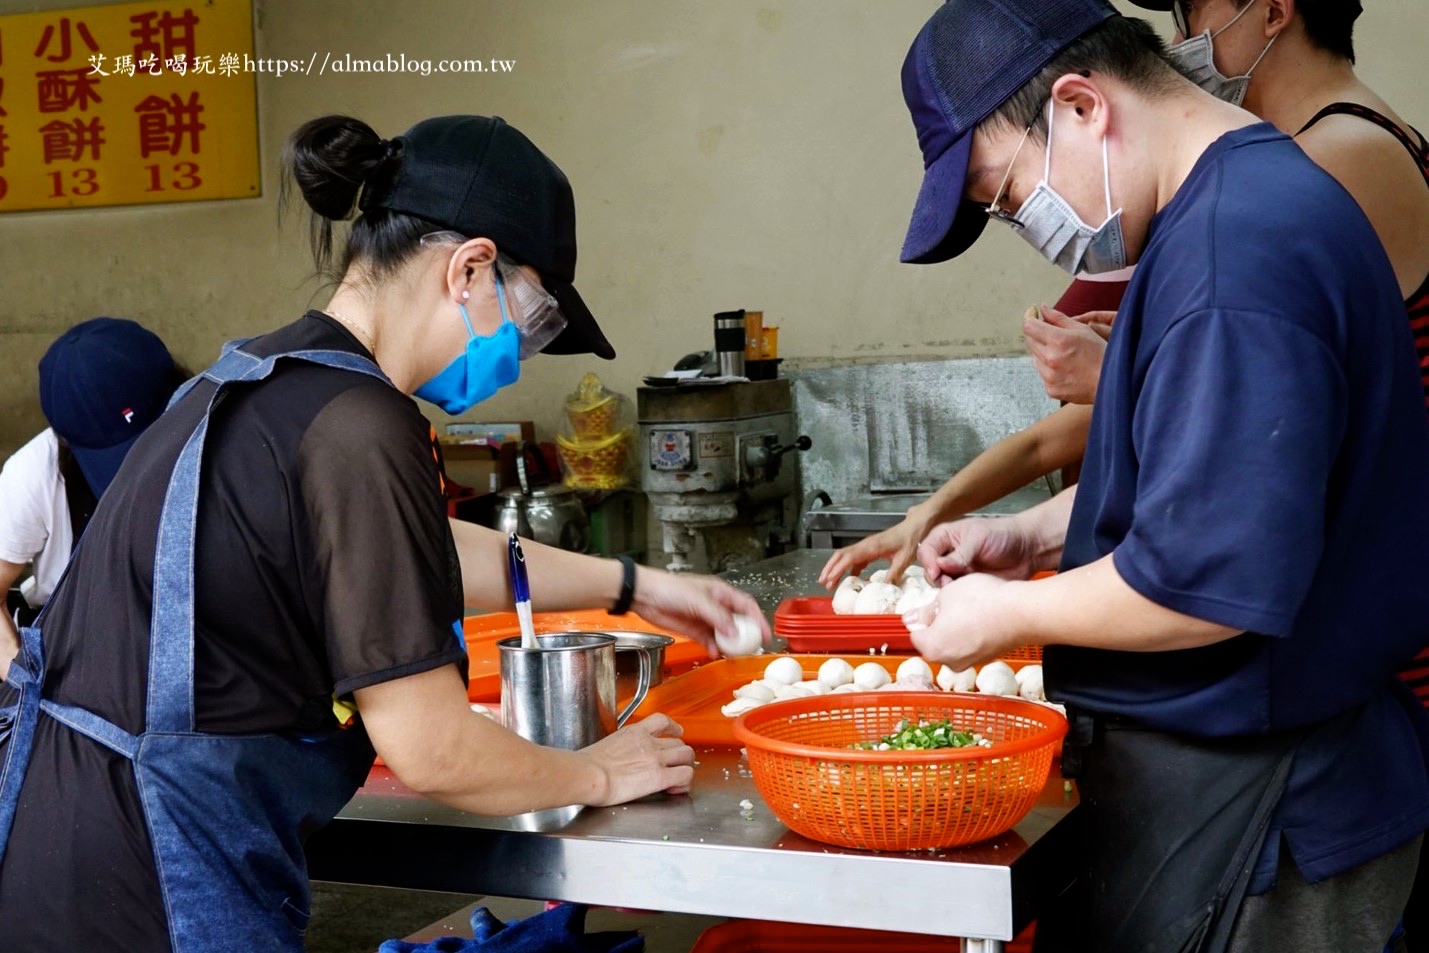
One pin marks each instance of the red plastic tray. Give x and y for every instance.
(484, 631)
(809, 624)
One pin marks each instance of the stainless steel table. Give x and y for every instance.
(701, 853)
(847, 521)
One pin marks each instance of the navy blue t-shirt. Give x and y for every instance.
(1259, 458)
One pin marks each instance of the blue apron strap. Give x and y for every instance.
(169, 704)
(93, 727)
(188, 385)
(27, 676)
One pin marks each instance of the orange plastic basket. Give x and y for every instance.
(899, 800)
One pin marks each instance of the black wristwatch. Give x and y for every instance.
(627, 586)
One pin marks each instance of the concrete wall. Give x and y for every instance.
(724, 154)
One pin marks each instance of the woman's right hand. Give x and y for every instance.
(898, 543)
(1000, 546)
(644, 757)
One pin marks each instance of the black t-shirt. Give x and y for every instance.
(323, 564)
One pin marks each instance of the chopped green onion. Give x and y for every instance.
(925, 735)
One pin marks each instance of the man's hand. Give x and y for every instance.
(996, 545)
(969, 624)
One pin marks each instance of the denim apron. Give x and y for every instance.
(226, 814)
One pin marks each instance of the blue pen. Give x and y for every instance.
(521, 588)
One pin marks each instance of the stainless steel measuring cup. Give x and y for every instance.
(562, 693)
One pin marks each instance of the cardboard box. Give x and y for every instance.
(492, 434)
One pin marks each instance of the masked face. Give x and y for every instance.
(1048, 223)
(1195, 57)
(487, 365)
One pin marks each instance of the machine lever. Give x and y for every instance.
(803, 443)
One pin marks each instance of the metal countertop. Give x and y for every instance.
(700, 853)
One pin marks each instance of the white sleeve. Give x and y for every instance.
(30, 485)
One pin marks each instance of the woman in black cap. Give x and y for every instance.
(272, 581)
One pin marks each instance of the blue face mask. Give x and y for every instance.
(487, 365)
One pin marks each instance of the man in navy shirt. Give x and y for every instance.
(1240, 562)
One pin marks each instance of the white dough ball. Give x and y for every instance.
(784, 670)
(915, 571)
(915, 597)
(914, 670)
(998, 664)
(793, 691)
(877, 598)
(870, 676)
(845, 598)
(879, 576)
(835, 672)
(908, 685)
(738, 707)
(842, 689)
(814, 686)
(996, 681)
(945, 678)
(755, 690)
(1030, 683)
(965, 680)
(747, 638)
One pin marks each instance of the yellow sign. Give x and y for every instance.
(128, 104)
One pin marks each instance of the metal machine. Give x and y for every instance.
(716, 469)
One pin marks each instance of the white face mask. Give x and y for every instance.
(1050, 225)
(1195, 57)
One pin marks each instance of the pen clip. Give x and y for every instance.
(520, 586)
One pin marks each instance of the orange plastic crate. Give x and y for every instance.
(899, 800)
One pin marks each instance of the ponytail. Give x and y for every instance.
(330, 159)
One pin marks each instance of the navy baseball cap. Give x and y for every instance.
(480, 176)
(102, 383)
(969, 59)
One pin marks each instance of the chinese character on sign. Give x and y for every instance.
(124, 65)
(65, 42)
(96, 65)
(150, 64)
(4, 137)
(177, 64)
(202, 64)
(2, 97)
(171, 35)
(68, 140)
(164, 124)
(228, 64)
(65, 89)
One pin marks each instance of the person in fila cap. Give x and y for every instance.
(1240, 563)
(102, 383)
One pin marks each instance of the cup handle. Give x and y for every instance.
(647, 673)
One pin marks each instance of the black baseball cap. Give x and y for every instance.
(969, 59)
(481, 177)
(102, 383)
